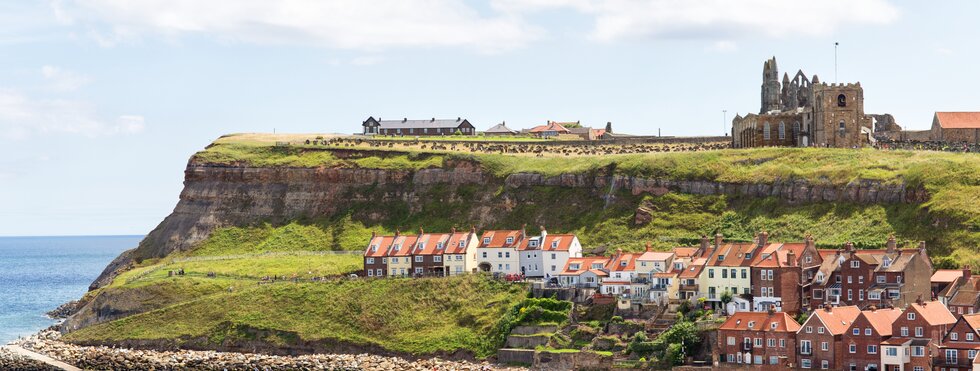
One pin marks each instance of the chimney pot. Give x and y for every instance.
(718, 240)
(967, 272)
(649, 248)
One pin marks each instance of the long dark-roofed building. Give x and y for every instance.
(405, 126)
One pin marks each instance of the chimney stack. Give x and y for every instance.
(828, 308)
(718, 240)
(790, 258)
(473, 229)
(808, 241)
(421, 231)
(922, 247)
(891, 244)
(966, 273)
(918, 300)
(649, 248)
(772, 309)
(849, 246)
(397, 232)
(453, 230)
(763, 238)
(705, 243)
(373, 234)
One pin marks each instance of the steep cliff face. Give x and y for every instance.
(217, 196)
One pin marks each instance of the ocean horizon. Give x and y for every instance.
(39, 273)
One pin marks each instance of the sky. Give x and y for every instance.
(102, 102)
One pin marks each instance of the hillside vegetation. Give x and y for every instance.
(416, 316)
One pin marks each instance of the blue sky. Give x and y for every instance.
(102, 101)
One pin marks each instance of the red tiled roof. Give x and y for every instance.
(958, 120)
(761, 321)
(946, 275)
(456, 239)
(973, 320)
(694, 269)
(685, 252)
(837, 319)
(882, 319)
(431, 244)
(934, 312)
(405, 245)
(584, 264)
(775, 255)
(896, 341)
(616, 262)
(378, 246)
(551, 126)
(655, 256)
(733, 253)
(499, 238)
(564, 242)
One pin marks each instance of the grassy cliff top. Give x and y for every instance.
(760, 165)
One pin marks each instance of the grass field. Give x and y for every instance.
(418, 316)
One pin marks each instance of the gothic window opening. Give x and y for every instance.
(796, 128)
(841, 101)
(782, 131)
(841, 127)
(765, 132)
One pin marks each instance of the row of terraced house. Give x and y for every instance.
(758, 275)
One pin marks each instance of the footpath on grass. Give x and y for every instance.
(17, 358)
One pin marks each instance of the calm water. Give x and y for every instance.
(37, 274)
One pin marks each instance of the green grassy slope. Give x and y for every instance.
(418, 316)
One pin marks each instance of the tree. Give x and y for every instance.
(726, 297)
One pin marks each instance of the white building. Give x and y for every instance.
(497, 252)
(545, 256)
(584, 272)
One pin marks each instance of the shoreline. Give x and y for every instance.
(48, 343)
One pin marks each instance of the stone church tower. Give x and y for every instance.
(838, 113)
(770, 87)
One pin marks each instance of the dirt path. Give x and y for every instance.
(40, 357)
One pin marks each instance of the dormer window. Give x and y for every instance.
(439, 245)
(573, 267)
(748, 255)
(462, 243)
(374, 247)
(774, 325)
(751, 324)
(721, 257)
(486, 240)
(855, 264)
(398, 247)
(510, 240)
(421, 245)
(532, 243)
(554, 244)
(910, 316)
(886, 262)
(596, 266)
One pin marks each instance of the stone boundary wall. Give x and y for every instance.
(515, 356)
(625, 140)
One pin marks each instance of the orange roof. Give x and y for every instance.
(761, 321)
(584, 264)
(946, 275)
(934, 312)
(775, 255)
(694, 269)
(958, 120)
(431, 244)
(458, 242)
(973, 320)
(882, 319)
(551, 126)
(386, 246)
(665, 274)
(499, 238)
(837, 319)
(622, 262)
(655, 256)
(552, 242)
(685, 252)
(732, 254)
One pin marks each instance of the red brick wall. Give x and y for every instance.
(861, 358)
(788, 351)
(375, 266)
(818, 355)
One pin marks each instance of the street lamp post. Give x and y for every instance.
(724, 121)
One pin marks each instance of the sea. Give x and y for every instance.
(37, 274)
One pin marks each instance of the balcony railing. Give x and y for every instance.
(643, 280)
(689, 287)
(658, 287)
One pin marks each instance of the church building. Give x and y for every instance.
(804, 112)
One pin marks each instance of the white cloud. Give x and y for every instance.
(723, 46)
(23, 117)
(63, 80)
(348, 24)
(714, 19)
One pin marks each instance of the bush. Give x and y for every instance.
(616, 319)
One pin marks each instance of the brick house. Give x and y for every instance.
(428, 252)
(963, 295)
(956, 127)
(779, 275)
(941, 283)
(387, 256)
(764, 340)
(961, 344)
(820, 338)
(459, 255)
(888, 277)
(400, 255)
(917, 335)
(862, 341)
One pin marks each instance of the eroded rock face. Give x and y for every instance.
(219, 196)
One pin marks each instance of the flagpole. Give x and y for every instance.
(835, 61)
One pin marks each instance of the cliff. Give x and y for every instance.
(217, 195)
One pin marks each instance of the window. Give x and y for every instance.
(370, 273)
(849, 294)
(773, 360)
(437, 259)
(438, 245)
(856, 331)
(819, 330)
(805, 363)
(880, 279)
(384, 260)
(824, 346)
(824, 364)
(765, 134)
(918, 351)
(842, 100)
(969, 336)
(507, 254)
(861, 294)
(972, 354)
(731, 358)
(852, 348)
(418, 270)
(918, 332)
(953, 336)
(905, 331)
(782, 343)
(855, 264)
(841, 128)
(805, 347)
(395, 260)
(771, 342)
(553, 268)
(532, 243)
(379, 272)
(486, 240)
(910, 316)
(418, 259)
(919, 368)
(867, 331)
(484, 254)
(510, 240)
(374, 247)
(745, 273)
(782, 131)
(809, 329)
(872, 349)
(462, 243)
(711, 273)
(874, 295)
(891, 351)
(724, 273)
(850, 279)
(860, 279)
(731, 340)
(369, 261)
(951, 355)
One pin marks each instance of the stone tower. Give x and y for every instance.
(770, 87)
(838, 115)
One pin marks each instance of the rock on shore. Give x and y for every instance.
(12, 361)
(105, 358)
